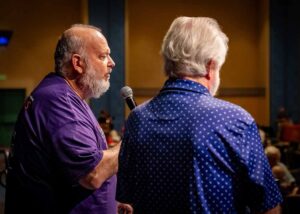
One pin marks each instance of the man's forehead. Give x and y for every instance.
(99, 43)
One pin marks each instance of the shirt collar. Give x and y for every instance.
(186, 85)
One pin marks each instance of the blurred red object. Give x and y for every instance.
(290, 132)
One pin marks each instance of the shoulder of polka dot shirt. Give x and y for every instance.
(233, 110)
(138, 109)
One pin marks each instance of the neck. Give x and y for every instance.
(74, 87)
(202, 80)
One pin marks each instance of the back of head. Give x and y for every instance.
(73, 40)
(273, 154)
(278, 172)
(190, 43)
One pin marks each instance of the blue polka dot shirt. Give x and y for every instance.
(185, 151)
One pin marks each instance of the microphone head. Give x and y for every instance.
(126, 91)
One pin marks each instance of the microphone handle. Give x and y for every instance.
(130, 102)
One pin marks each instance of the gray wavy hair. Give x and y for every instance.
(69, 43)
(190, 43)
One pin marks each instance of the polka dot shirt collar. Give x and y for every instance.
(184, 84)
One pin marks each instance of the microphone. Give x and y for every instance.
(127, 94)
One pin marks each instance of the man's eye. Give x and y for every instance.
(103, 57)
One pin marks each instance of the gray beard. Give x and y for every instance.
(92, 87)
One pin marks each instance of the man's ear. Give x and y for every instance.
(77, 63)
(210, 67)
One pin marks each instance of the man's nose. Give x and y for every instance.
(111, 62)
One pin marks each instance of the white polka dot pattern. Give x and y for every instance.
(188, 152)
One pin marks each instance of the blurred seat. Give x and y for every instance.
(296, 174)
(291, 205)
(290, 133)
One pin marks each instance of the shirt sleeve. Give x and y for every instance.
(263, 191)
(76, 150)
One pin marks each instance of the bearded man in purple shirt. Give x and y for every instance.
(59, 161)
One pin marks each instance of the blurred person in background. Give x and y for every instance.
(280, 171)
(106, 123)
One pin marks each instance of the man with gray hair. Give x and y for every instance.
(185, 151)
(59, 161)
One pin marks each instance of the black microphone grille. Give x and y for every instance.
(126, 91)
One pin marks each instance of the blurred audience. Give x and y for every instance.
(285, 179)
(263, 137)
(283, 118)
(106, 123)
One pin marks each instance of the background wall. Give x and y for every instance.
(244, 76)
(285, 55)
(36, 27)
(109, 16)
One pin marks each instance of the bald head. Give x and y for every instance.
(73, 40)
(273, 154)
(85, 32)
